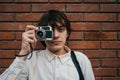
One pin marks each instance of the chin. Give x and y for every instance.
(55, 48)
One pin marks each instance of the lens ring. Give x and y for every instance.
(40, 34)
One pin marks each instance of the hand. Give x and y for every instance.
(28, 37)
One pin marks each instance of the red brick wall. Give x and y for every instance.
(95, 24)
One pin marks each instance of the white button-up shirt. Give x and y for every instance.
(45, 65)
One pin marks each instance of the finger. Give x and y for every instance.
(29, 39)
(30, 32)
(32, 35)
(32, 39)
(35, 41)
(30, 27)
(29, 36)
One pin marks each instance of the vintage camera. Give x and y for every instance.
(44, 33)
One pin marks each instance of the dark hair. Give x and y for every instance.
(51, 17)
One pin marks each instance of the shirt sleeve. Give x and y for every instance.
(15, 71)
(88, 72)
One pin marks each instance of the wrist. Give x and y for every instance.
(22, 55)
(23, 52)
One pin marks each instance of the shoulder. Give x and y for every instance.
(82, 58)
(80, 54)
(85, 65)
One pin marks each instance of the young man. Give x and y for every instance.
(53, 63)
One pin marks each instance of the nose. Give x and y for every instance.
(55, 34)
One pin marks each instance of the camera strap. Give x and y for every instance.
(31, 53)
(76, 63)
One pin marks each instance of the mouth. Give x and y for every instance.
(55, 42)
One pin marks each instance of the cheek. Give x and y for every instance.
(64, 37)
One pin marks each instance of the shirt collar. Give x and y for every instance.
(63, 58)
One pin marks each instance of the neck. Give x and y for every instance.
(58, 52)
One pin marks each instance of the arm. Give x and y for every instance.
(86, 66)
(16, 69)
(89, 71)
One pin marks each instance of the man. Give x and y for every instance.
(53, 63)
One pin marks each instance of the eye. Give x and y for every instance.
(61, 28)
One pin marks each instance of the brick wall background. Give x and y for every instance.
(95, 24)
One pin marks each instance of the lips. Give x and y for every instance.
(55, 42)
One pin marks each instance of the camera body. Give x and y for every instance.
(44, 33)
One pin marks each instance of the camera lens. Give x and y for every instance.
(40, 34)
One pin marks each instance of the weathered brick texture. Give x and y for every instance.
(95, 30)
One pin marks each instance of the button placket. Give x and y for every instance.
(56, 68)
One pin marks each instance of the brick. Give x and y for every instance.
(6, 0)
(91, 0)
(111, 26)
(107, 0)
(2, 70)
(76, 35)
(99, 17)
(109, 8)
(84, 44)
(100, 1)
(7, 54)
(118, 35)
(19, 35)
(85, 26)
(98, 54)
(6, 17)
(10, 45)
(31, 0)
(28, 16)
(119, 72)
(110, 63)
(100, 36)
(115, 78)
(14, 8)
(102, 72)
(82, 7)
(98, 78)
(5, 62)
(119, 53)
(7, 36)
(45, 7)
(13, 26)
(95, 63)
(118, 17)
(111, 44)
(65, 0)
(75, 16)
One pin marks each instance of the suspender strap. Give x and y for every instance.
(76, 63)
